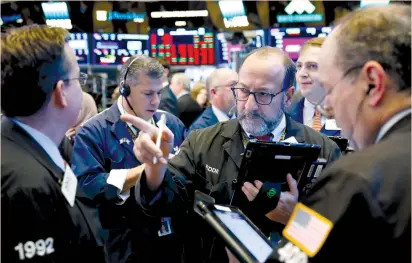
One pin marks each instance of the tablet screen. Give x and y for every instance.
(256, 245)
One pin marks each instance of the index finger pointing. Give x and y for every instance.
(140, 124)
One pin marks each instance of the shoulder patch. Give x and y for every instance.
(307, 229)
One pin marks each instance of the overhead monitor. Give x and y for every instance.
(291, 40)
(183, 46)
(115, 49)
(244, 41)
(79, 42)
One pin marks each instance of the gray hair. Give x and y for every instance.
(183, 79)
(143, 64)
(382, 34)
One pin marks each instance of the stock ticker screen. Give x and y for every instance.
(80, 43)
(183, 46)
(115, 49)
(291, 40)
(253, 39)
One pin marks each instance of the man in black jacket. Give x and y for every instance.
(209, 160)
(43, 218)
(361, 206)
(189, 109)
(168, 101)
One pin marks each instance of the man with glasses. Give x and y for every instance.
(218, 84)
(44, 218)
(209, 160)
(107, 168)
(362, 203)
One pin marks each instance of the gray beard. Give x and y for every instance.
(265, 127)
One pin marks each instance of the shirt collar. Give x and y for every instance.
(182, 94)
(220, 115)
(122, 111)
(45, 142)
(308, 104)
(277, 132)
(391, 122)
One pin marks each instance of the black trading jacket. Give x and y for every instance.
(209, 161)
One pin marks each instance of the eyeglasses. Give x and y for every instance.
(262, 98)
(82, 78)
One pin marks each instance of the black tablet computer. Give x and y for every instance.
(240, 235)
(272, 161)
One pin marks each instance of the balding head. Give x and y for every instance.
(365, 67)
(270, 74)
(218, 85)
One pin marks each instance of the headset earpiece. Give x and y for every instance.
(124, 90)
(370, 87)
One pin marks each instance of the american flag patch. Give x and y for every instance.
(307, 229)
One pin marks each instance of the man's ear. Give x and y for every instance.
(376, 82)
(289, 95)
(59, 96)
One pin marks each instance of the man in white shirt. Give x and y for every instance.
(307, 77)
(43, 216)
(107, 169)
(219, 85)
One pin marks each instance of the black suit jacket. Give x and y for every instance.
(367, 197)
(189, 110)
(35, 210)
(168, 102)
(209, 161)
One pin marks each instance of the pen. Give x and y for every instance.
(162, 124)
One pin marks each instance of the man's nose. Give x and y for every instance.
(251, 103)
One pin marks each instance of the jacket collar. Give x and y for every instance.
(294, 129)
(15, 133)
(234, 145)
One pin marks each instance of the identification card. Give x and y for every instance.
(307, 229)
(166, 227)
(331, 125)
(69, 185)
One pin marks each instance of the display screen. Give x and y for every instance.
(115, 49)
(253, 39)
(291, 40)
(80, 43)
(183, 46)
(240, 228)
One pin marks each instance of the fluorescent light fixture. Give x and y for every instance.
(64, 23)
(233, 13)
(180, 23)
(175, 14)
(366, 3)
(101, 15)
(138, 20)
(57, 14)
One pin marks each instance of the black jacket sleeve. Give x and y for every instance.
(175, 194)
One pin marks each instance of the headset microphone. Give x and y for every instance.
(124, 89)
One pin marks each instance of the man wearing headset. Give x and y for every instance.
(107, 169)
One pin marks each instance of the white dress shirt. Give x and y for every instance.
(45, 142)
(391, 122)
(220, 115)
(182, 94)
(309, 114)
